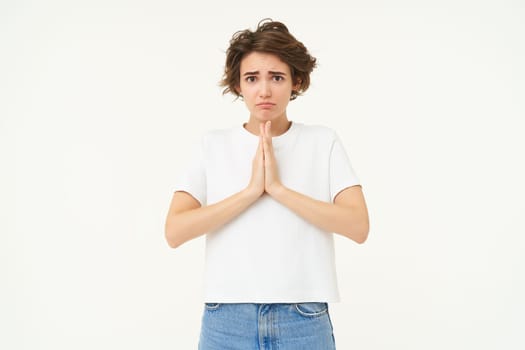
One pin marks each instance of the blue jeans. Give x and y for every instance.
(300, 326)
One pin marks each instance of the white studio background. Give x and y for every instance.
(100, 102)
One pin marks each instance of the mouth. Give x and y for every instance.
(265, 105)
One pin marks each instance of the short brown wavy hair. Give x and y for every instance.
(270, 37)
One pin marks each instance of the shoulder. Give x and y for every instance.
(218, 135)
(318, 132)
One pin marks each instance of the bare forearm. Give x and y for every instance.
(182, 227)
(349, 221)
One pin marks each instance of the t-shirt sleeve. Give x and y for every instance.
(342, 175)
(192, 178)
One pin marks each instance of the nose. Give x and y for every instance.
(265, 90)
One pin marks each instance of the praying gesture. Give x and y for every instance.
(265, 175)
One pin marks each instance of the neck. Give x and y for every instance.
(279, 126)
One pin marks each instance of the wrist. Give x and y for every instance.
(250, 194)
(276, 190)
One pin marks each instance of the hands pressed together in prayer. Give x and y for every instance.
(265, 176)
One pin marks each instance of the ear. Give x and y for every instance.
(297, 85)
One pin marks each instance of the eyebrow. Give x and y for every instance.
(270, 72)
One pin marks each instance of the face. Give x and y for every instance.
(266, 86)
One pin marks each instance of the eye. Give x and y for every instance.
(250, 78)
(278, 77)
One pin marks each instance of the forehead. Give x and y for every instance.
(263, 61)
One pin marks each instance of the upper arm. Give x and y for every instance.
(351, 197)
(183, 201)
(180, 202)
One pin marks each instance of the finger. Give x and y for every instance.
(264, 142)
(261, 138)
(260, 148)
(268, 127)
(267, 141)
(268, 138)
(268, 151)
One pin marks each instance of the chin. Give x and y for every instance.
(264, 118)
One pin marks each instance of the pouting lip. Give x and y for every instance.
(265, 104)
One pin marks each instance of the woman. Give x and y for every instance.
(269, 194)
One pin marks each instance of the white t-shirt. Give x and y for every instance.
(269, 254)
